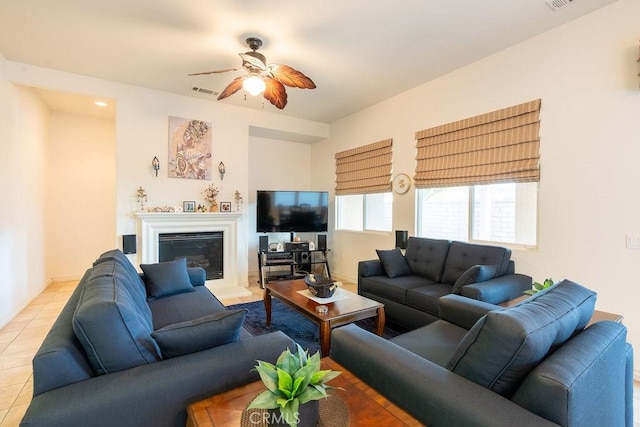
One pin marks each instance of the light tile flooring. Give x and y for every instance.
(21, 338)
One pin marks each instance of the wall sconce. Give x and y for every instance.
(156, 164)
(402, 237)
(222, 170)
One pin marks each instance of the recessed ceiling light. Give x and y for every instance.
(101, 103)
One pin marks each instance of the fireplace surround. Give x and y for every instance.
(152, 224)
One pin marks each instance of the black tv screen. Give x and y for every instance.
(292, 211)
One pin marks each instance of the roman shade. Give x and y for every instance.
(365, 169)
(501, 146)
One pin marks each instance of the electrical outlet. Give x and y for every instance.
(130, 226)
(633, 241)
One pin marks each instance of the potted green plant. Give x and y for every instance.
(294, 386)
(537, 286)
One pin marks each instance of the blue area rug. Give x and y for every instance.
(295, 325)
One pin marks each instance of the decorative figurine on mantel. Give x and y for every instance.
(210, 193)
(142, 198)
(238, 198)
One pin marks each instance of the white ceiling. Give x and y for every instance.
(358, 52)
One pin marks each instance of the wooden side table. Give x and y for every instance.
(366, 406)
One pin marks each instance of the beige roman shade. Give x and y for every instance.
(365, 169)
(501, 146)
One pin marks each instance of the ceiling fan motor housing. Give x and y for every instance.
(254, 43)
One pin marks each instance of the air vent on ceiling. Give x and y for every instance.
(558, 4)
(207, 91)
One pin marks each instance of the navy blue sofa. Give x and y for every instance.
(135, 350)
(533, 364)
(410, 285)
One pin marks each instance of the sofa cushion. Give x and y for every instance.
(504, 345)
(183, 307)
(167, 278)
(395, 265)
(427, 298)
(435, 342)
(426, 257)
(393, 289)
(112, 330)
(136, 282)
(113, 267)
(463, 256)
(475, 274)
(200, 334)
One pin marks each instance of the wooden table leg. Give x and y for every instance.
(267, 306)
(325, 338)
(380, 321)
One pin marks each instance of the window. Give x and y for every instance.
(502, 213)
(364, 212)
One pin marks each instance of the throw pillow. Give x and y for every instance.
(395, 264)
(167, 278)
(200, 334)
(475, 274)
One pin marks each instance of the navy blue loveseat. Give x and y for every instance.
(411, 285)
(533, 364)
(132, 350)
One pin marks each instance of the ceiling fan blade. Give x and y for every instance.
(213, 72)
(252, 61)
(233, 87)
(289, 76)
(275, 92)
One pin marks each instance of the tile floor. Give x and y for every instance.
(21, 338)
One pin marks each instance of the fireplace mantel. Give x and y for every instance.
(151, 224)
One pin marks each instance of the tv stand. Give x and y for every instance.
(287, 264)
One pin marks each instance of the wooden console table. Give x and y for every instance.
(366, 406)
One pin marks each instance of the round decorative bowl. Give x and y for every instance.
(320, 286)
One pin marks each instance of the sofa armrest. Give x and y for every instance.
(371, 267)
(430, 393)
(156, 394)
(499, 289)
(463, 311)
(197, 276)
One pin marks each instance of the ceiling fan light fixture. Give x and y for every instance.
(254, 84)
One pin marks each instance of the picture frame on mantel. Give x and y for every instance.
(225, 206)
(189, 206)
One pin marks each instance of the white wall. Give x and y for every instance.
(585, 72)
(274, 165)
(23, 144)
(142, 133)
(80, 192)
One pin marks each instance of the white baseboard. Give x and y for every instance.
(4, 321)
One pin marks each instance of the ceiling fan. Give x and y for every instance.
(270, 80)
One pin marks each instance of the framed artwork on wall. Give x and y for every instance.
(189, 148)
(225, 206)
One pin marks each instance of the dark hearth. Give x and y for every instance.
(201, 250)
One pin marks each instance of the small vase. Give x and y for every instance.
(308, 415)
(213, 207)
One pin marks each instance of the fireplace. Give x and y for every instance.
(233, 280)
(203, 249)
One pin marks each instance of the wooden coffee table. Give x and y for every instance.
(342, 312)
(366, 406)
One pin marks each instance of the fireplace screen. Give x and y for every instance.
(201, 250)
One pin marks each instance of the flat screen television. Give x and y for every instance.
(292, 211)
